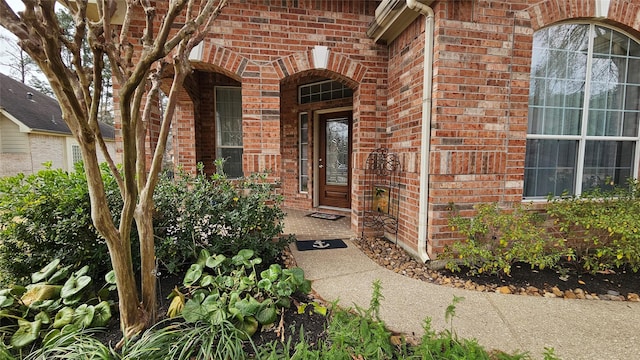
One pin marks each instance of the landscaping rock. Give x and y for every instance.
(633, 297)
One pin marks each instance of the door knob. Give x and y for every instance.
(321, 166)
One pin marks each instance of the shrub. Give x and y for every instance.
(221, 215)
(495, 239)
(604, 225)
(46, 216)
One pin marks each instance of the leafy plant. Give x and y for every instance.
(59, 304)
(495, 239)
(219, 289)
(603, 224)
(221, 215)
(47, 216)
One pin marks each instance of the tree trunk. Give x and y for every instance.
(132, 318)
(148, 278)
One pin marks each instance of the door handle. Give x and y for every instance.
(320, 166)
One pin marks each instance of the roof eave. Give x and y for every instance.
(391, 19)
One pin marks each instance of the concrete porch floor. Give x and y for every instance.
(307, 228)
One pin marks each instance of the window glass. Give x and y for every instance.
(323, 91)
(229, 129)
(303, 155)
(584, 110)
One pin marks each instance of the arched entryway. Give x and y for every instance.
(317, 139)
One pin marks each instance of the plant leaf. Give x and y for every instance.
(83, 315)
(215, 261)
(110, 277)
(102, 314)
(6, 301)
(43, 317)
(45, 272)
(74, 285)
(63, 317)
(26, 334)
(59, 275)
(267, 315)
(203, 257)
(192, 275)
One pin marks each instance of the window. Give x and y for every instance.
(584, 110)
(76, 154)
(303, 152)
(229, 129)
(323, 91)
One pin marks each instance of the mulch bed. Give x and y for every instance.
(619, 285)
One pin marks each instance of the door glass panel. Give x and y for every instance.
(337, 156)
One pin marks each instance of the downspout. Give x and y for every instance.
(425, 139)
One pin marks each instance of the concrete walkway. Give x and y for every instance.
(576, 329)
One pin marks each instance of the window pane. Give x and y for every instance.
(233, 161)
(607, 163)
(558, 80)
(229, 116)
(324, 91)
(559, 103)
(229, 129)
(550, 167)
(303, 152)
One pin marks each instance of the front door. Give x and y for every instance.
(334, 160)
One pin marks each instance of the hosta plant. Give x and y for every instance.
(58, 301)
(219, 288)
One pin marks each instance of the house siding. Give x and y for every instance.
(482, 59)
(47, 148)
(11, 139)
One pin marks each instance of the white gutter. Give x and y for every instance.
(425, 140)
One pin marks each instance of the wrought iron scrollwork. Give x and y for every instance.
(382, 188)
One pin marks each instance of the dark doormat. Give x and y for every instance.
(325, 216)
(305, 245)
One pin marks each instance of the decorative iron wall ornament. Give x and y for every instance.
(382, 192)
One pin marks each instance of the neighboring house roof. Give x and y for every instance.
(35, 110)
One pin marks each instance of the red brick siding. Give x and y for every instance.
(482, 56)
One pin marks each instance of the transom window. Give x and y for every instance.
(323, 91)
(584, 110)
(229, 129)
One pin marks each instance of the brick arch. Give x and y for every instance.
(222, 60)
(621, 12)
(339, 67)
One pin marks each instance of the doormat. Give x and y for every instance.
(325, 216)
(305, 245)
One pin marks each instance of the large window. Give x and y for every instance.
(584, 110)
(229, 129)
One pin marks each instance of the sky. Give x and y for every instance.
(17, 6)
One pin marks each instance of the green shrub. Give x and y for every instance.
(495, 239)
(47, 216)
(604, 225)
(221, 215)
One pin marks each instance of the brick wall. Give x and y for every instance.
(482, 56)
(266, 47)
(14, 163)
(480, 102)
(47, 148)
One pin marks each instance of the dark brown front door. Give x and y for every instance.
(334, 160)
